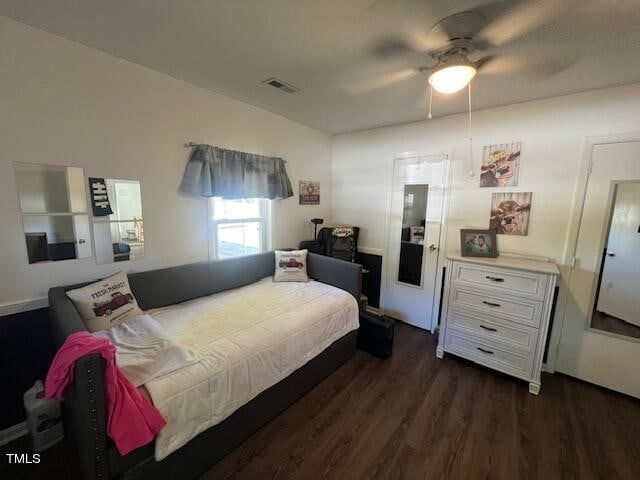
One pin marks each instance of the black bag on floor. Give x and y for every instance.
(376, 334)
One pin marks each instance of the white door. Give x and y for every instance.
(82, 234)
(413, 241)
(620, 285)
(584, 352)
(75, 190)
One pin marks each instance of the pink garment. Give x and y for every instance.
(133, 421)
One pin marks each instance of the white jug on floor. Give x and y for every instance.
(44, 418)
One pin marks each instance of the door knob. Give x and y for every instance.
(432, 247)
(81, 241)
(611, 254)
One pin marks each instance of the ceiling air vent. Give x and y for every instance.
(280, 85)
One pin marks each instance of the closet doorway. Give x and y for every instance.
(603, 287)
(413, 273)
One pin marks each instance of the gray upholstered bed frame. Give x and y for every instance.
(85, 409)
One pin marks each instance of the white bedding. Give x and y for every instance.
(144, 351)
(248, 339)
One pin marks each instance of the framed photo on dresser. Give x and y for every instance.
(478, 243)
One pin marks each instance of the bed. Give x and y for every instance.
(269, 344)
(248, 339)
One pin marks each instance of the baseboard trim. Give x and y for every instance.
(12, 433)
(11, 308)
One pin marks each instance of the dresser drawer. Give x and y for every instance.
(518, 282)
(492, 328)
(489, 353)
(516, 309)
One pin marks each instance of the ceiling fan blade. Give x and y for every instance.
(364, 86)
(530, 65)
(412, 42)
(523, 19)
(484, 61)
(434, 40)
(408, 20)
(502, 65)
(392, 47)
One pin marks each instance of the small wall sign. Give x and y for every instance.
(99, 199)
(309, 192)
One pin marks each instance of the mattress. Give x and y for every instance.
(249, 339)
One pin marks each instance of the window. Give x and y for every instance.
(239, 227)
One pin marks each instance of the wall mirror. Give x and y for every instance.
(54, 212)
(616, 307)
(412, 236)
(118, 230)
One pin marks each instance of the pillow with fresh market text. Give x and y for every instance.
(291, 266)
(105, 303)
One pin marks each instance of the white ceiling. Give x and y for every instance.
(325, 47)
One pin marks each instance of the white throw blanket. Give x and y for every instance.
(248, 339)
(144, 351)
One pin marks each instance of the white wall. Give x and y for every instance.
(552, 132)
(66, 104)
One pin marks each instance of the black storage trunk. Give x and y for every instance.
(376, 334)
(313, 246)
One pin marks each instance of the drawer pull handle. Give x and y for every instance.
(491, 304)
(489, 329)
(485, 351)
(495, 279)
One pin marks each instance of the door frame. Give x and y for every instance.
(572, 237)
(448, 152)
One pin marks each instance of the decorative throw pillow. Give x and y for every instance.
(105, 303)
(291, 266)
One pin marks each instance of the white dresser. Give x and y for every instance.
(496, 313)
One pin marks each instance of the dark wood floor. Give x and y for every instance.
(416, 417)
(605, 322)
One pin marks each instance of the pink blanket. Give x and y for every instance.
(133, 421)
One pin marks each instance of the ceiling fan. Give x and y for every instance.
(454, 41)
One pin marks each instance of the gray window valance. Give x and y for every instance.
(216, 172)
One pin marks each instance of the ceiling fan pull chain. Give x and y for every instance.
(430, 101)
(471, 171)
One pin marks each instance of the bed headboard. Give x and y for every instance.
(158, 288)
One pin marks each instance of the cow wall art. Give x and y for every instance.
(500, 165)
(510, 213)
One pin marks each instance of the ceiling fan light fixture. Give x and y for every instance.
(450, 78)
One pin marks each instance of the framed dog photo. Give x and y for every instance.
(478, 243)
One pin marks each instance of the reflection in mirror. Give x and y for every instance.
(119, 233)
(50, 188)
(54, 212)
(617, 302)
(412, 236)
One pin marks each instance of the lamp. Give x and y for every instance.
(316, 222)
(452, 75)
